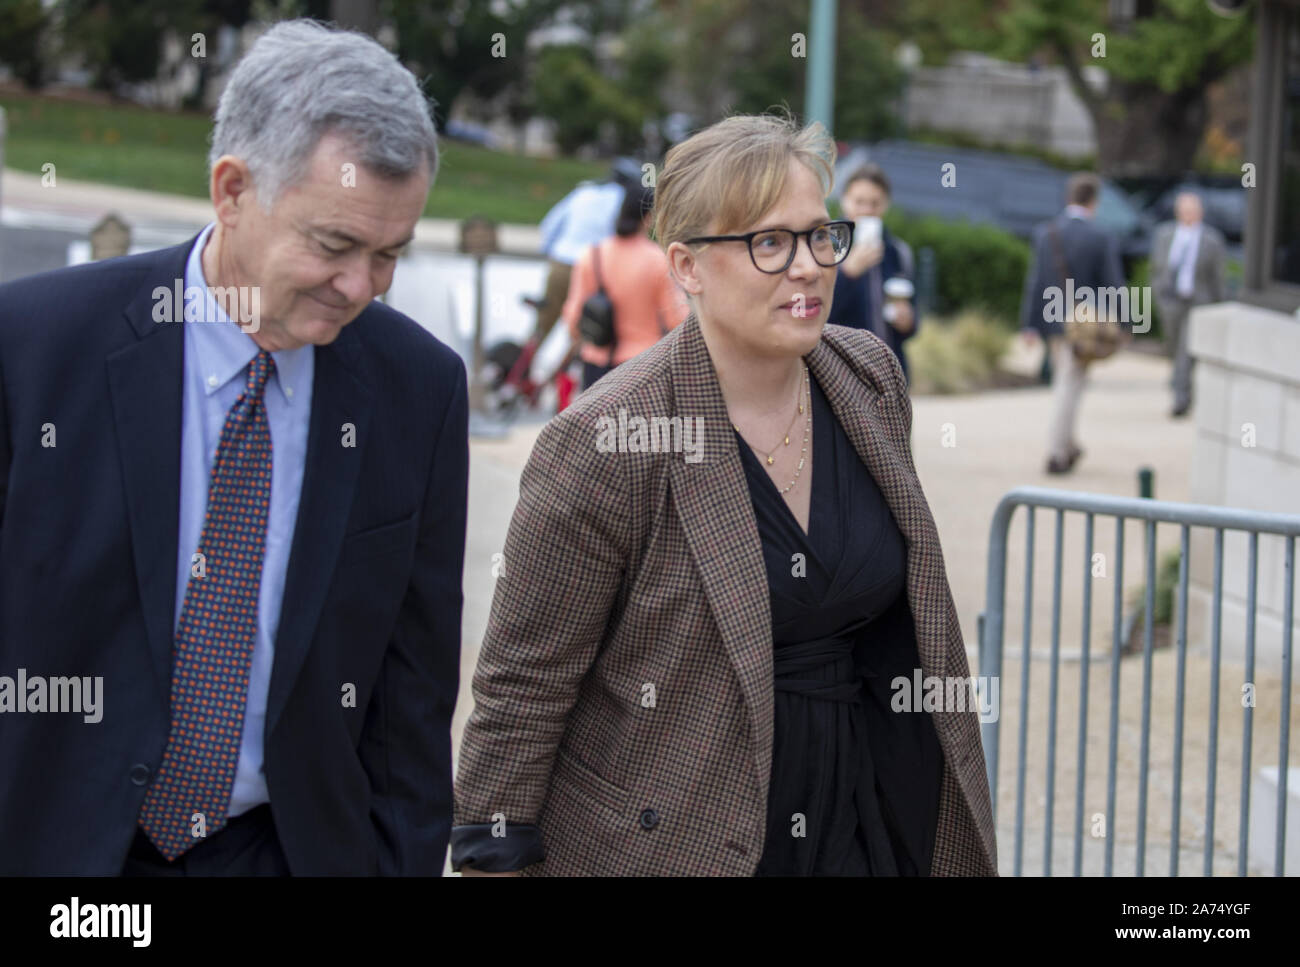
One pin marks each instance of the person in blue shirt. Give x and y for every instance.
(582, 218)
(859, 300)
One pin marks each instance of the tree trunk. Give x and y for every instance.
(1142, 130)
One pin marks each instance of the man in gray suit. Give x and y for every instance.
(1067, 247)
(1187, 260)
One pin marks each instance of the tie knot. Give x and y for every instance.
(259, 371)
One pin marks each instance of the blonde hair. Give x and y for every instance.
(729, 174)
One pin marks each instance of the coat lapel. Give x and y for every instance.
(145, 381)
(857, 405)
(329, 479)
(712, 500)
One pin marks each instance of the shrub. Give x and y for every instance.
(977, 267)
(956, 355)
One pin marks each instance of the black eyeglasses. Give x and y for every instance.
(772, 249)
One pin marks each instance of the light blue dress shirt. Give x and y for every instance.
(217, 354)
(582, 218)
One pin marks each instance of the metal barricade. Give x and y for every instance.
(992, 623)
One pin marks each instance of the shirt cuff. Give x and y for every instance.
(474, 845)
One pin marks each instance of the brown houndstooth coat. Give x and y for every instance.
(629, 576)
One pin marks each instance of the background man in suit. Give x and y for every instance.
(249, 524)
(1068, 246)
(1187, 260)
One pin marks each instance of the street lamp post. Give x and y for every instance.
(820, 102)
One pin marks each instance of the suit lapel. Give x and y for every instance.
(339, 396)
(712, 500)
(857, 406)
(145, 380)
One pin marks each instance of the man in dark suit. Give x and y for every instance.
(1069, 254)
(1187, 262)
(232, 498)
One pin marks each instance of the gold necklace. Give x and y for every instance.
(804, 408)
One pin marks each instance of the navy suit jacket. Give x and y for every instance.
(1091, 257)
(88, 534)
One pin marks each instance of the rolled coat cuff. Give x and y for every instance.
(474, 845)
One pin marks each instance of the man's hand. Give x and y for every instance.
(862, 258)
(470, 871)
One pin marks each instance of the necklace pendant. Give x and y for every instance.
(769, 461)
(787, 440)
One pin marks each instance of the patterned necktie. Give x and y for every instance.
(215, 636)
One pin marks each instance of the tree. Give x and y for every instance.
(749, 56)
(22, 31)
(571, 91)
(121, 40)
(1151, 116)
(212, 16)
(459, 45)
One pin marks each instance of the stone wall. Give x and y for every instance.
(1002, 104)
(1247, 412)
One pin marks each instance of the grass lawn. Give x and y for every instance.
(162, 151)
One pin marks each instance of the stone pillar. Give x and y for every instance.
(110, 238)
(1246, 404)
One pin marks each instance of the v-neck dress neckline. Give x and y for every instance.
(831, 811)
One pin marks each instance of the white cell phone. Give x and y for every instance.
(867, 231)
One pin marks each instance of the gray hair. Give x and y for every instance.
(302, 80)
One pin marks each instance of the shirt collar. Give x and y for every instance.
(221, 348)
(1077, 211)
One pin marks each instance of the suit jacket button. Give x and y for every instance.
(139, 773)
(649, 819)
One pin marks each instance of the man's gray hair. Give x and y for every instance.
(302, 80)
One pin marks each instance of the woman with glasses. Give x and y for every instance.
(722, 582)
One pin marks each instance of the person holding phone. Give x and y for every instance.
(874, 290)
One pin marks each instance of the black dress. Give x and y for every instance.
(854, 787)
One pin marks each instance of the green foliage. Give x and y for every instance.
(1182, 45)
(977, 266)
(167, 151)
(121, 40)
(1150, 117)
(868, 82)
(450, 46)
(22, 28)
(1141, 277)
(570, 90)
(1162, 610)
(738, 57)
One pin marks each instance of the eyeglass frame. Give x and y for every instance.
(748, 239)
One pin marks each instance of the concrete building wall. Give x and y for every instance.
(1247, 455)
(1002, 104)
